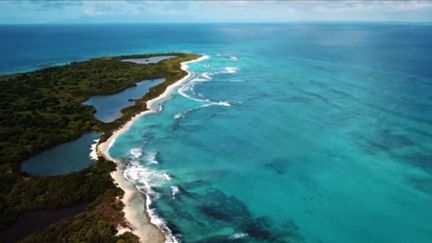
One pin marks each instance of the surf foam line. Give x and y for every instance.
(190, 86)
(137, 226)
(93, 150)
(230, 70)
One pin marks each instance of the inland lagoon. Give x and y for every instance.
(108, 107)
(28, 222)
(62, 159)
(148, 60)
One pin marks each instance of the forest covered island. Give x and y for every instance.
(44, 108)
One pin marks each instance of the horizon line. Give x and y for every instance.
(262, 22)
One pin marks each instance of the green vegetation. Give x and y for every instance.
(45, 108)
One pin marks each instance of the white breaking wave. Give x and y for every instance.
(167, 176)
(230, 70)
(151, 157)
(182, 92)
(179, 115)
(159, 222)
(136, 153)
(182, 115)
(223, 103)
(190, 87)
(238, 236)
(207, 76)
(93, 151)
(174, 191)
(232, 57)
(220, 103)
(145, 178)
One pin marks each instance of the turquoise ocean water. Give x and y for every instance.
(286, 133)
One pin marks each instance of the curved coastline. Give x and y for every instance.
(143, 222)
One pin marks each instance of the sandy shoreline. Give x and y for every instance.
(136, 209)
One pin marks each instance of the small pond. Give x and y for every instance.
(147, 60)
(29, 222)
(62, 159)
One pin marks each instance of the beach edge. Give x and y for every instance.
(141, 221)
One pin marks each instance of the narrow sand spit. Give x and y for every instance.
(136, 210)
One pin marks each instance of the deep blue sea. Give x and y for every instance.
(287, 133)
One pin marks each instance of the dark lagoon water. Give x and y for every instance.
(28, 222)
(108, 107)
(148, 60)
(287, 133)
(62, 159)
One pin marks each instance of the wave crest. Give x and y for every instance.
(135, 153)
(174, 191)
(230, 70)
(93, 150)
(151, 157)
(159, 222)
(190, 87)
(145, 179)
(238, 236)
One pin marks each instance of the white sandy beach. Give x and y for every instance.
(143, 223)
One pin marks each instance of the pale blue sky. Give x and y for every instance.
(128, 11)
